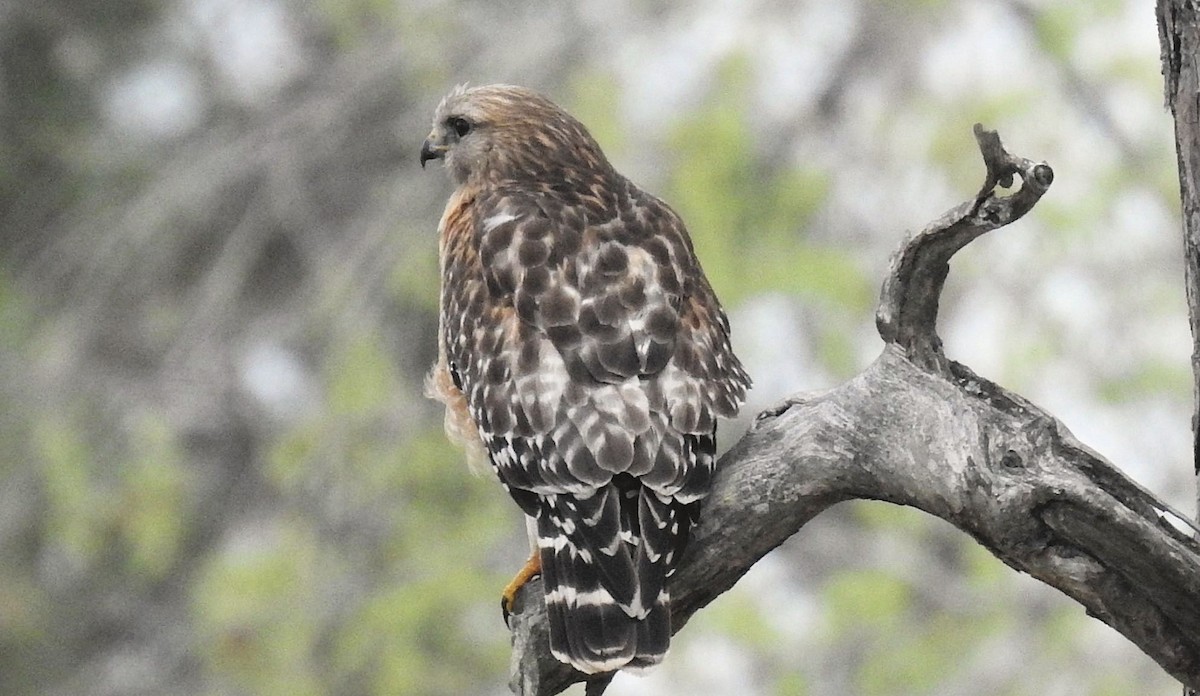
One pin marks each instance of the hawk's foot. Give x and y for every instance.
(527, 572)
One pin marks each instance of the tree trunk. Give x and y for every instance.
(1179, 36)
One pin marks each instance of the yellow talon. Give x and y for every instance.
(508, 596)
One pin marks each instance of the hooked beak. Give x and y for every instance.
(431, 149)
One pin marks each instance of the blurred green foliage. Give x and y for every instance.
(135, 509)
(747, 213)
(290, 608)
(915, 638)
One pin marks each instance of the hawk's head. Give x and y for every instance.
(502, 132)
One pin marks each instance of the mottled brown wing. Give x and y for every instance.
(614, 324)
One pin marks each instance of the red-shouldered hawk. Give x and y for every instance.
(583, 351)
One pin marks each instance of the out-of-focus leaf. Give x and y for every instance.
(361, 379)
(154, 510)
(255, 606)
(865, 598)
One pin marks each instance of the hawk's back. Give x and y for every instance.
(583, 348)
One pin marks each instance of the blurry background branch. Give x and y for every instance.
(916, 429)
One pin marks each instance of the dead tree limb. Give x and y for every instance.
(1179, 38)
(918, 429)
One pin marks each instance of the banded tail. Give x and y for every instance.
(605, 559)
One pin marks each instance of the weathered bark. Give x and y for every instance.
(1179, 37)
(917, 429)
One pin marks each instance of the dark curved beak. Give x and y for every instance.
(431, 150)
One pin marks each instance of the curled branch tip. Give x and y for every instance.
(908, 304)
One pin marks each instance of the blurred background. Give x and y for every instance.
(217, 305)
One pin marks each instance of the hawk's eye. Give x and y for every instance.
(460, 126)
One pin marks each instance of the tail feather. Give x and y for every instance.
(605, 560)
(552, 581)
(594, 525)
(654, 634)
(658, 528)
(588, 628)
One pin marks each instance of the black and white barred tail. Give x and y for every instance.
(606, 557)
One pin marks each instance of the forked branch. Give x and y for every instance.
(917, 429)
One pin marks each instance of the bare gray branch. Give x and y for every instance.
(917, 429)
